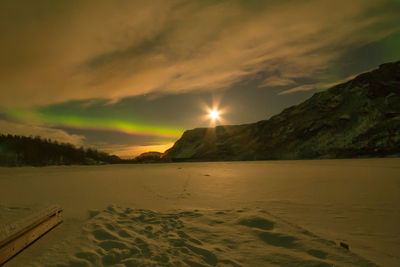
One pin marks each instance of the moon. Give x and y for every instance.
(214, 114)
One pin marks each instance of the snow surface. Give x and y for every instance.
(270, 213)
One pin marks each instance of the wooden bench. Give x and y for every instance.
(28, 231)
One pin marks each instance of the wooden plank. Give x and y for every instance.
(28, 232)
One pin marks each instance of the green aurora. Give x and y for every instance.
(94, 123)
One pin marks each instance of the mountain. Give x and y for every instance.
(20, 150)
(358, 118)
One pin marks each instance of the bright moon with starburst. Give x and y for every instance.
(214, 115)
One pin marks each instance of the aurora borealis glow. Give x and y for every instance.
(93, 123)
(125, 74)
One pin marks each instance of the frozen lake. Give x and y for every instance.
(355, 201)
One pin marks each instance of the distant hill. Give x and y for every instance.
(359, 118)
(20, 150)
(149, 157)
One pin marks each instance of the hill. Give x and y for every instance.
(358, 118)
(149, 157)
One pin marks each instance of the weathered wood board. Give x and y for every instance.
(28, 231)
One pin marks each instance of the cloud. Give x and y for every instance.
(276, 81)
(55, 51)
(305, 87)
(315, 86)
(14, 128)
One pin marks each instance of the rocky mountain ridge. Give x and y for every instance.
(358, 118)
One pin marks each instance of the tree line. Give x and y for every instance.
(18, 150)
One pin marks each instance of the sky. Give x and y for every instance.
(129, 76)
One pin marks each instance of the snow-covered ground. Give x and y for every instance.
(271, 213)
